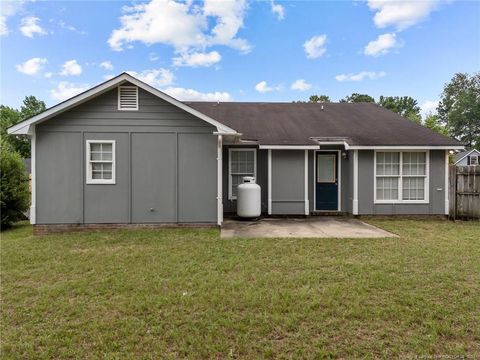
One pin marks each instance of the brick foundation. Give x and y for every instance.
(46, 229)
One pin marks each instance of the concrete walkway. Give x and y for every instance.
(317, 227)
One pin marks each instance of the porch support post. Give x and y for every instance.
(355, 183)
(269, 181)
(447, 184)
(33, 194)
(307, 205)
(219, 181)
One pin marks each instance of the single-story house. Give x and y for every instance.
(124, 152)
(465, 158)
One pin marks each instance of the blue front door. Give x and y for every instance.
(326, 181)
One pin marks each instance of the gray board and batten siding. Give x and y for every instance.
(436, 189)
(159, 150)
(288, 183)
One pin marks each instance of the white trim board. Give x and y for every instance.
(355, 183)
(289, 147)
(269, 181)
(307, 204)
(24, 126)
(359, 147)
(446, 187)
(407, 147)
(33, 201)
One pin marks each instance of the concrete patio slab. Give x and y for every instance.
(312, 227)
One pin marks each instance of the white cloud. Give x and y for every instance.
(194, 95)
(107, 65)
(401, 13)
(48, 75)
(156, 77)
(360, 76)
(32, 66)
(429, 107)
(3, 25)
(300, 85)
(263, 87)
(66, 90)
(197, 59)
(187, 26)
(8, 9)
(278, 10)
(315, 47)
(381, 45)
(29, 27)
(71, 67)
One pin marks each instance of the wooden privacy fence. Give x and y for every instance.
(464, 191)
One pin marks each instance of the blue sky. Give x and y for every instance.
(240, 51)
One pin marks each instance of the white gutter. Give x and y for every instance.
(406, 147)
(289, 147)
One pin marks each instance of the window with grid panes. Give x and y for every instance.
(400, 176)
(242, 163)
(100, 162)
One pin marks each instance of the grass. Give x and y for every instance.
(188, 294)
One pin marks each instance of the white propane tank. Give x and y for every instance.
(248, 198)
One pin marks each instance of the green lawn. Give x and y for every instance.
(189, 294)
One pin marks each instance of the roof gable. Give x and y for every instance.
(462, 155)
(25, 126)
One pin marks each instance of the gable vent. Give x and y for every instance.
(127, 98)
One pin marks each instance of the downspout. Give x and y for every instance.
(307, 204)
(355, 183)
(447, 185)
(219, 181)
(269, 181)
(33, 201)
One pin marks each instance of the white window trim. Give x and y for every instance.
(230, 195)
(89, 163)
(400, 179)
(136, 94)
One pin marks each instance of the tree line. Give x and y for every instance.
(457, 114)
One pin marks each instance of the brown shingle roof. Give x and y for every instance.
(296, 123)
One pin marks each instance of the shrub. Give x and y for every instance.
(14, 192)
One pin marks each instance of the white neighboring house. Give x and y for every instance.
(470, 157)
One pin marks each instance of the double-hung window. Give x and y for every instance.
(242, 162)
(401, 177)
(100, 161)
